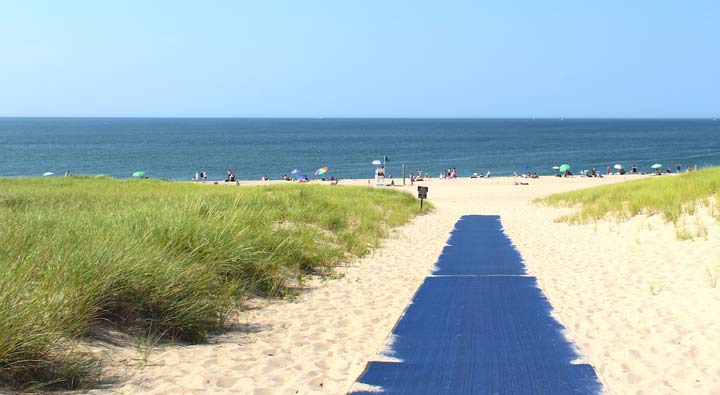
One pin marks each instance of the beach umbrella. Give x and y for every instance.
(618, 166)
(376, 163)
(656, 166)
(556, 167)
(48, 173)
(321, 171)
(564, 167)
(139, 174)
(296, 171)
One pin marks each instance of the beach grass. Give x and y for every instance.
(158, 258)
(672, 197)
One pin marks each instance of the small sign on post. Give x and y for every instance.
(422, 195)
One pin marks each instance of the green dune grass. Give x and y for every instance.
(159, 258)
(670, 196)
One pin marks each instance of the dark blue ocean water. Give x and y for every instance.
(177, 147)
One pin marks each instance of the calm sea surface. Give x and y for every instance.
(177, 147)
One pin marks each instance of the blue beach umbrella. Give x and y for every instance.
(296, 171)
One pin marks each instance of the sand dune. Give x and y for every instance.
(640, 305)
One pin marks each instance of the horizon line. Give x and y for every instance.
(348, 117)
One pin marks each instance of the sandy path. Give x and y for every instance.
(638, 302)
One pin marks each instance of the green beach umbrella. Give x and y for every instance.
(564, 167)
(656, 166)
(139, 174)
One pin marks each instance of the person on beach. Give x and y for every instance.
(679, 167)
(609, 170)
(634, 169)
(67, 173)
(230, 176)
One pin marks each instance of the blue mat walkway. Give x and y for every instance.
(480, 325)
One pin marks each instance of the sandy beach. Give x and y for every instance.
(641, 305)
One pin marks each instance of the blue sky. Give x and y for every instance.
(360, 58)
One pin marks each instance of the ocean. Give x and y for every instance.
(175, 148)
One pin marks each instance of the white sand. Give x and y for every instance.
(639, 304)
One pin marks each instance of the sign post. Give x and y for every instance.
(422, 195)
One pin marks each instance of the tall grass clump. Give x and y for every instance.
(669, 196)
(159, 259)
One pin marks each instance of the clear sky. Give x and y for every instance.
(360, 58)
